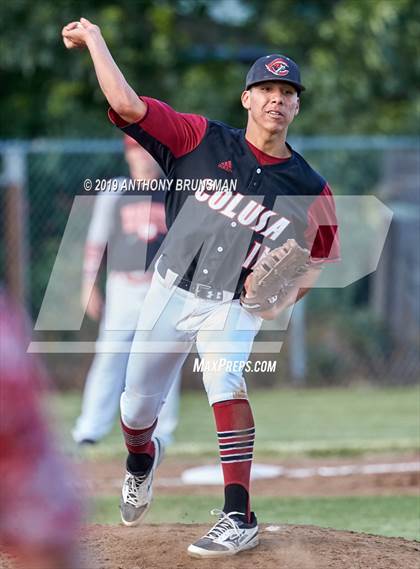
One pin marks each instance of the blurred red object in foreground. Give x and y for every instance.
(39, 511)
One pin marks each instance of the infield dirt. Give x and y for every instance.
(289, 547)
(104, 478)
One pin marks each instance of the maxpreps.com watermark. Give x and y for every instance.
(159, 185)
(235, 366)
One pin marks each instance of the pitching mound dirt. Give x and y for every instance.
(287, 547)
(281, 547)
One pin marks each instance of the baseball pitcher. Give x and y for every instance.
(239, 198)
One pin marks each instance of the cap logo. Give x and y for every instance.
(278, 67)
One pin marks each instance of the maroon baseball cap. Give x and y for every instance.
(274, 68)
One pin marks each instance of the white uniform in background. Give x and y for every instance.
(127, 222)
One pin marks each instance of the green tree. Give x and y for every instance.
(360, 61)
(359, 58)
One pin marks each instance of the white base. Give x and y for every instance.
(212, 475)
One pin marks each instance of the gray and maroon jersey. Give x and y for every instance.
(229, 203)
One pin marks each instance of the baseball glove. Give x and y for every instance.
(274, 276)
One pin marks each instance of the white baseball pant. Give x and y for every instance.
(170, 322)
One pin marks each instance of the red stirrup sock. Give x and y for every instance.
(236, 434)
(140, 447)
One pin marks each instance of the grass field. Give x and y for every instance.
(393, 516)
(311, 422)
(316, 422)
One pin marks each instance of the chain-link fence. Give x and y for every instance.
(366, 331)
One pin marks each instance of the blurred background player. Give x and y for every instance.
(126, 220)
(39, 512)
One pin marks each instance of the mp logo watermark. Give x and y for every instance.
(363, 223)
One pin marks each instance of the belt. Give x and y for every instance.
(200, 290)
